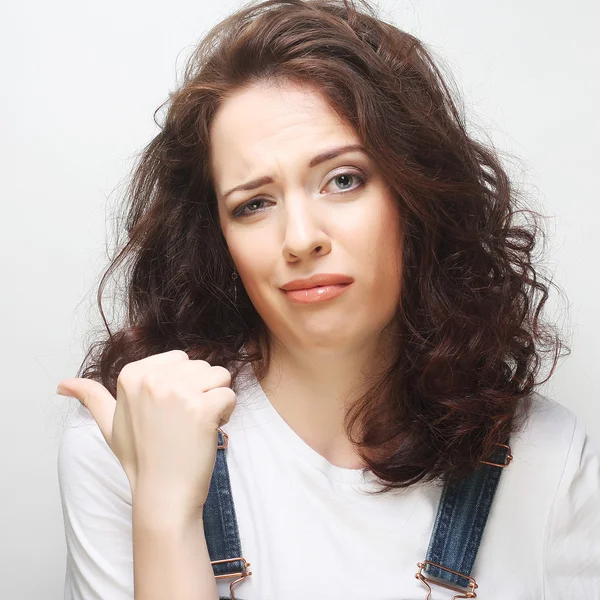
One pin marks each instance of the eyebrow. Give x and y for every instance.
(324, 156)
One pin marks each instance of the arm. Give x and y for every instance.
(170, 555)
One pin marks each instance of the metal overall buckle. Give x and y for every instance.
(509, 457)
(244, 573)
(469, 593)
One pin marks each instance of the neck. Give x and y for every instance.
(313, 388)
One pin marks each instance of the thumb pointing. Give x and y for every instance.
(96, 398)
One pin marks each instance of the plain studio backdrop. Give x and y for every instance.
(80, 84)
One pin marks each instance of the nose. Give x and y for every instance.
(304, 233)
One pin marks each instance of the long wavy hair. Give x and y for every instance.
(471, 338)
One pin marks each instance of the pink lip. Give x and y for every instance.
(317, 294)
(318, 280)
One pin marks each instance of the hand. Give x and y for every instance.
(163, 425)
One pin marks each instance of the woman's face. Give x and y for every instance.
(306, 216)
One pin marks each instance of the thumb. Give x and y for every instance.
(96, 398)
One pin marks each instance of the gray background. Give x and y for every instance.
(80, 82)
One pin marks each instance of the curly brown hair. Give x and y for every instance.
(472, 338)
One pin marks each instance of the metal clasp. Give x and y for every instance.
(225, 440)
(470, 593)
(245, 573)
(503, 465)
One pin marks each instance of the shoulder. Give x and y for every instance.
(549, 433)
(544, 524)
(558, 438)
(553, 449)
(546, 446)
(560, 468)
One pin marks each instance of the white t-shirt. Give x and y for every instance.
(309, 531)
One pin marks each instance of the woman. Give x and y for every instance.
(314, 230)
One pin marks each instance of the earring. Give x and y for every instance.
(234, 278)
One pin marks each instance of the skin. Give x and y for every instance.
(308, 221)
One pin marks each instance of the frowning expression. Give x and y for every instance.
(298, 196)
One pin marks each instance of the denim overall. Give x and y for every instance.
(460, 520)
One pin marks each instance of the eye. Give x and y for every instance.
(346, 178)
(240, 211)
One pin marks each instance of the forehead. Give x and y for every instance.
(266, 125)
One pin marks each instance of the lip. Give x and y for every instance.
(318, 280)
(316, 294)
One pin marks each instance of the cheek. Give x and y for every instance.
(381, 237)
(253, 259)
(385, 253)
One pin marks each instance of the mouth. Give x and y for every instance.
(315, 294)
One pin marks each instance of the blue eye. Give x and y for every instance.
(351, 175)
(243, 210)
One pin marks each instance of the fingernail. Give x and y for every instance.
(61, 390)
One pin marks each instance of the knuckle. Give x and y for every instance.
(151, 383)
(230, 396)
(228, 393)
(125, 375)
(223, 373)
(225, 394)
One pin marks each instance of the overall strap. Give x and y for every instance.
(220, 523)
(461, 518)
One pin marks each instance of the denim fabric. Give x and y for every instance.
(461, 517)
(460, 520)
(220, 523)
